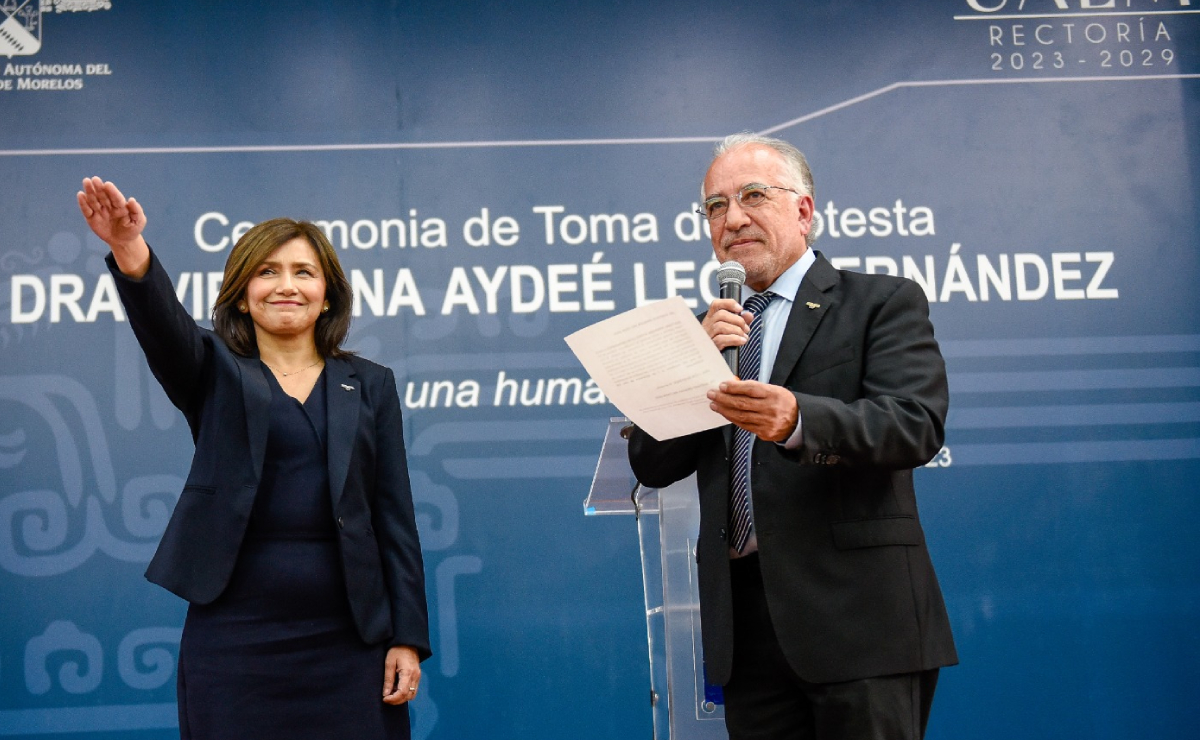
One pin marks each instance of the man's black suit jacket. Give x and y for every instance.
(849, 583)
(225, 398)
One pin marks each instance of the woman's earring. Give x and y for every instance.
(325, 308)
(241, 306)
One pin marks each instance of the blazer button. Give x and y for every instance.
(722, 535)
(341, 523)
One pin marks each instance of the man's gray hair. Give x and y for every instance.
(796, 165)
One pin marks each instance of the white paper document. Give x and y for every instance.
(656, 364)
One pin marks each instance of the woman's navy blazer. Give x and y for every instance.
(225, 398)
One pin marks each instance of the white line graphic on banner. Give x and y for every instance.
(516, 143)
(1147, 401)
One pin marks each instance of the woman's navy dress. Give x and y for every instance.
(277, 654)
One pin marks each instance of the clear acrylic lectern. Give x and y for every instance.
(668, 520)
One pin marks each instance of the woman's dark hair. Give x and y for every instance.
(237, 328)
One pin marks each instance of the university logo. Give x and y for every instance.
(21, 27)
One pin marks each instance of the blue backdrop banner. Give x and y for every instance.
(496, 176)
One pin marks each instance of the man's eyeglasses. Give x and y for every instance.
(753, 195)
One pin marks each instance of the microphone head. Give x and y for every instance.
(731, 272)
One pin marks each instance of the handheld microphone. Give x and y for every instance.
(730, 276)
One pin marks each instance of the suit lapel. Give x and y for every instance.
(343, 394)
(256, 395)
(813, 299)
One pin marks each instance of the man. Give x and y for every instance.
(821, 614)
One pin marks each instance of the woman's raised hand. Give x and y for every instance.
(118, 222)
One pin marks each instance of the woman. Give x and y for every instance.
(294, 538)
